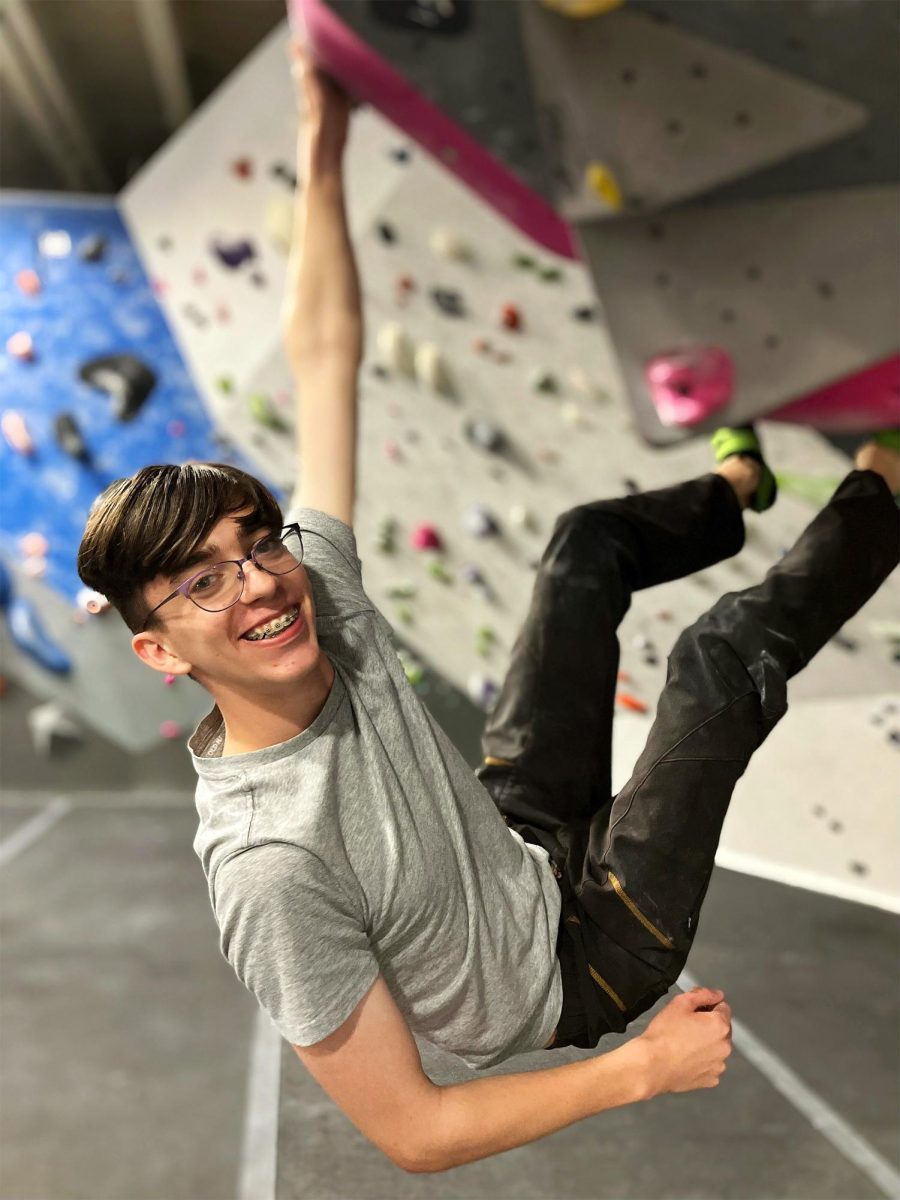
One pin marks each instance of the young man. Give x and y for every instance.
(363, 882)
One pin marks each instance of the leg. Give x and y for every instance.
(634, 884)
(547, 740)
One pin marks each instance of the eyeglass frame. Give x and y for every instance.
(181, 590)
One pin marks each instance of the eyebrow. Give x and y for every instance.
(209, 553)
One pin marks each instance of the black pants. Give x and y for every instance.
(634, 868)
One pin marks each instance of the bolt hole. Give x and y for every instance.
(629, 75)
(699, 71)
(825, 289)
(797, 45)
(742, 118)
(772, 342)
(754, 273)
(674, 127)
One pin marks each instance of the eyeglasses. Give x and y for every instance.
(218, 587)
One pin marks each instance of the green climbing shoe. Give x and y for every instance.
(742, 439)
(889, 438)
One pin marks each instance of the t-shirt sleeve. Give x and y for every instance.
(294, 938)
(331, 561)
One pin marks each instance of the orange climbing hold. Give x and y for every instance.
(626, 700)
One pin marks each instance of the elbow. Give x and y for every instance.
(423, 1160)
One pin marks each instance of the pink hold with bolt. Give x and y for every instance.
(425, 537)
(690, 384)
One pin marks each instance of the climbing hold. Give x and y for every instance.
(479, 521)
(405, 614)
(258, 279)
(431, 368)
(168, 680)
(449, 302)
(579, 9)
(632, 487)
(35, 567)
(572, 414)
(438, 571)
(450, 245)
(550, 274)
(485, 435)
(520, 517)
(175, 428)
(396, 348)
(584, 312)
(472, 574)
(386, 232)
(894, 737)
(278, 221)
(486, 640)
(55, 243)
(28, 281)
(16, 432)
(524, 261)
(688, 385)
(170, 729)
(20, 346)
(48, 721)
(233, 254)
(91, 602)
(225, 384)
(242, 168)
(286, 173)
(34, 545)
(402, 591)
(544, 381)
(425, 537)
(404, 286)
(845, 643)
(392, 450)
(640, 641)
(581, 382)
(124, 377)
(92, 248)
(264, 413)
(481, 689)
(650, 660)
(69, 436)
(623, 677)
(412, 668)
(626, 700)
(399, 154)
(510, 317)
(601, 181)
(664, 615)
(547, 455)
(386, 542)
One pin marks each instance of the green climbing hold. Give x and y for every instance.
(264, 414)
(438, 571)
(551, 274)
(524, 261)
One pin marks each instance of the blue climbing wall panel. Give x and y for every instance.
(84, 309)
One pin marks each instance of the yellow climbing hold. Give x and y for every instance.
(578, 9)
(603, 184)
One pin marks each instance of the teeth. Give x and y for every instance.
(274, 627)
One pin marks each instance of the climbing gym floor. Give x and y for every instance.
(135, 1066)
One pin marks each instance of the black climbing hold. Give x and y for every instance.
(399, 154)
(234, 254)
(380, 371)
(284, 172)
(845, 643)
(164, 243)
(69, 437)
(386, 232)
(584, 312)
(449, 302)
(92, 248)
(258, 279)
(836, 826)
(819, 810)
(894, 736)
(632, 487)
(124, 377)
(651, 660)
(859, 868)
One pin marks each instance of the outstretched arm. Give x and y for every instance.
(321, 315)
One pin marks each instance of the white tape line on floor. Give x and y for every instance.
(259, 1149)
(28, 833)
(820, 1115)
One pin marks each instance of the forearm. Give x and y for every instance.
(322, 303)
(488, 1116)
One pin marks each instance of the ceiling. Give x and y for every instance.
(90, 89)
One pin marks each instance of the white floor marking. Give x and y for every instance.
(820, 1115)
(259, 1148)
(23, 837)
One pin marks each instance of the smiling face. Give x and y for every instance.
(211, 645)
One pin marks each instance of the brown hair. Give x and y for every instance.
(148, 523)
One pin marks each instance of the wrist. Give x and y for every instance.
(645, 1067)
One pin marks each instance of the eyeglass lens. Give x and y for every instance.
(220, 586)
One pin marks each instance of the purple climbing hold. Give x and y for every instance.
(234, 254)
(479, 521)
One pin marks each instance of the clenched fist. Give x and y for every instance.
(688, 1042)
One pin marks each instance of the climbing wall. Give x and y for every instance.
(490, 401)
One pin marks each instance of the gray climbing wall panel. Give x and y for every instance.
(800, 291)
(670, 114)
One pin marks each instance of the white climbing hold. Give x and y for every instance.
(47, 721)
(431, 368)
(581, 382)
(571, 414)
(91, 602)
(520, 517)
(396, 348)
(450, 245)
(279, 222)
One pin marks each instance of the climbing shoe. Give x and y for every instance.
(742, 439)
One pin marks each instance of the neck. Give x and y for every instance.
(255, 722)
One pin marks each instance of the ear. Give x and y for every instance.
(152, 652)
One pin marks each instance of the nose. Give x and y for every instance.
(257, 582)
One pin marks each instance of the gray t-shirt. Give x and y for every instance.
(366, 845)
